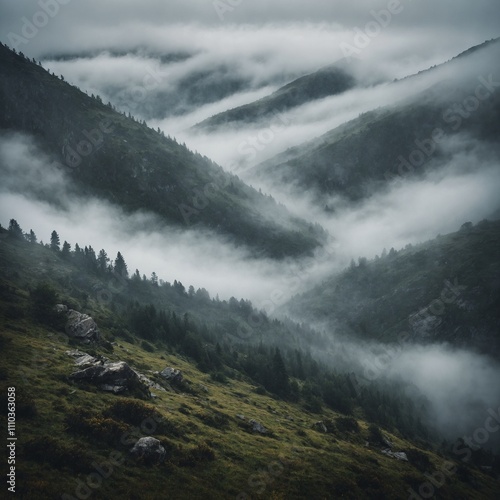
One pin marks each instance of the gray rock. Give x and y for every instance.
(82, 327)
(172, 374)
(114, 377)
(399, 455)
(320, 427)
(258, 427)
(149, 449)
(61, 308)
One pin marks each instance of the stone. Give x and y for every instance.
(149, 449)
(320, 427)
(82, 327)
(399, 455)
(257, 427)
(172, 374)
(115, 377)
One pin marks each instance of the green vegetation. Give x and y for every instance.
(68, 431)
(114, 157)
(328, 81)
(437, 291)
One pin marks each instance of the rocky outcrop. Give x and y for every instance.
(320, 427)
(398, 455)
(149, 449)
(79, 326)
(257, 427)
(116, 377)
(172, 374)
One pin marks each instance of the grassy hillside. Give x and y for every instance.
(445, 289)
(74, 440)
(114, 157)
(323, 83)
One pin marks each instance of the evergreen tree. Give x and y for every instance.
(32, 237)
(102, 261)
(154, 279)
(66, 250)
(15, 229)
(120, 266)
(55, 243)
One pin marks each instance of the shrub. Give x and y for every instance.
(58, 454)
(347, 424)
(147, 346)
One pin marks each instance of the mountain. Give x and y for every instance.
(325, 82)
(444, 290)
(114, 157)
(216, 418)
(406, 139)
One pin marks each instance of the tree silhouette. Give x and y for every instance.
(120, 266)
(55, 243)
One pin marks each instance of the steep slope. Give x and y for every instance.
(111, 156)
(405, 139)
(74, 440)
(325, 82)
(447, 289)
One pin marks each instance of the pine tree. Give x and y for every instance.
(55, 243)
(32, 237)
(120, 266)
(66, 250)
(15, 229)
(154, 279)
(102, 261)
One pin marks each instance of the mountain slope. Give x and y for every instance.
(125, 162)
(447, 289)
(75, 439)
(405, 139)
(325, 82)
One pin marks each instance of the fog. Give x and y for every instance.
(142, 54)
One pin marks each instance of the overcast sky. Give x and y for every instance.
(440, 25)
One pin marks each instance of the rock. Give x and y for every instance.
(149, 449)
(257, 427)
(114, 377)
(84, 359)
(241, 417)
(172, 374)
(149, 383)
(61, 308)
(82, 327)
(320, 427)
(399, 455)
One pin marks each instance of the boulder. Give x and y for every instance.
(82, 327)
(149, 449)
(320, 427)
(114, 377)
(172, 374)
(258, 427)
(399, 455)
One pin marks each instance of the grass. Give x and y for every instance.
(206, 459)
